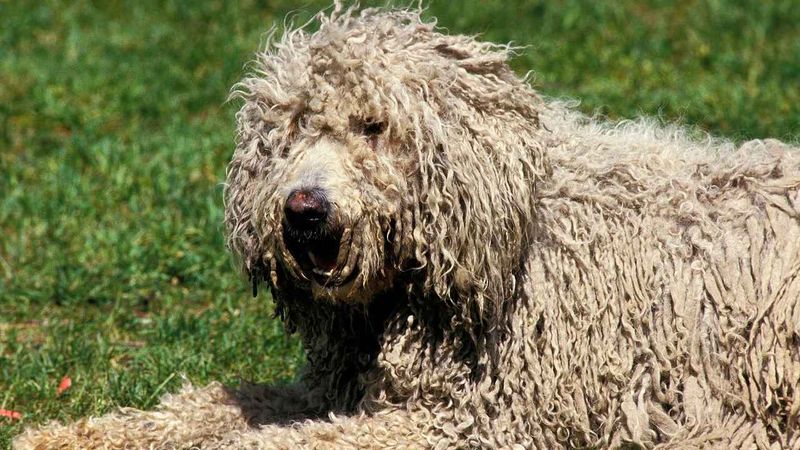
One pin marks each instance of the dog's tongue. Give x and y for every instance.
(322, 262)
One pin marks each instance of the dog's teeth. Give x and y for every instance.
(313, 258)
(322, 272)
(316, 262)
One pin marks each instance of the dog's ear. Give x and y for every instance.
(265, 124)
(245, 176)
(474, 217)
(240, 191)
(474, 210)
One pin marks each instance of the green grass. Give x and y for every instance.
(114, 136)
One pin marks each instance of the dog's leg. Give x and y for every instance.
(193, 417)
(388, 429)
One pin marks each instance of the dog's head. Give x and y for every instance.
(378, 150)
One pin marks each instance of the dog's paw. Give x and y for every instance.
(79, 435)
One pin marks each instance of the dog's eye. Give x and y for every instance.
(373, 128)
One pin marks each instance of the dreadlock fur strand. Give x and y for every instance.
(510, 273)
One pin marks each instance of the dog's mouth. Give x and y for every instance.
(320, 255)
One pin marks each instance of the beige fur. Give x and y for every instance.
(521, 276)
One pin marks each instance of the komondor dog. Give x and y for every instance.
(470, 265)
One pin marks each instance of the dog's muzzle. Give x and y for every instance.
(312, 235)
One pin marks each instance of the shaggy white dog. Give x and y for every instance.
(472, 266)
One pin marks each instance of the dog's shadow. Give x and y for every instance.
(274, 404)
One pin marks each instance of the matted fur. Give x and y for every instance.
(521, 276)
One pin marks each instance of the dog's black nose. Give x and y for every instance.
(306, 208)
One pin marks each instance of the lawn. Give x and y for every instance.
(115, 133)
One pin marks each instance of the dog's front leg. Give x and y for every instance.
(192, 418)
(388, 429)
